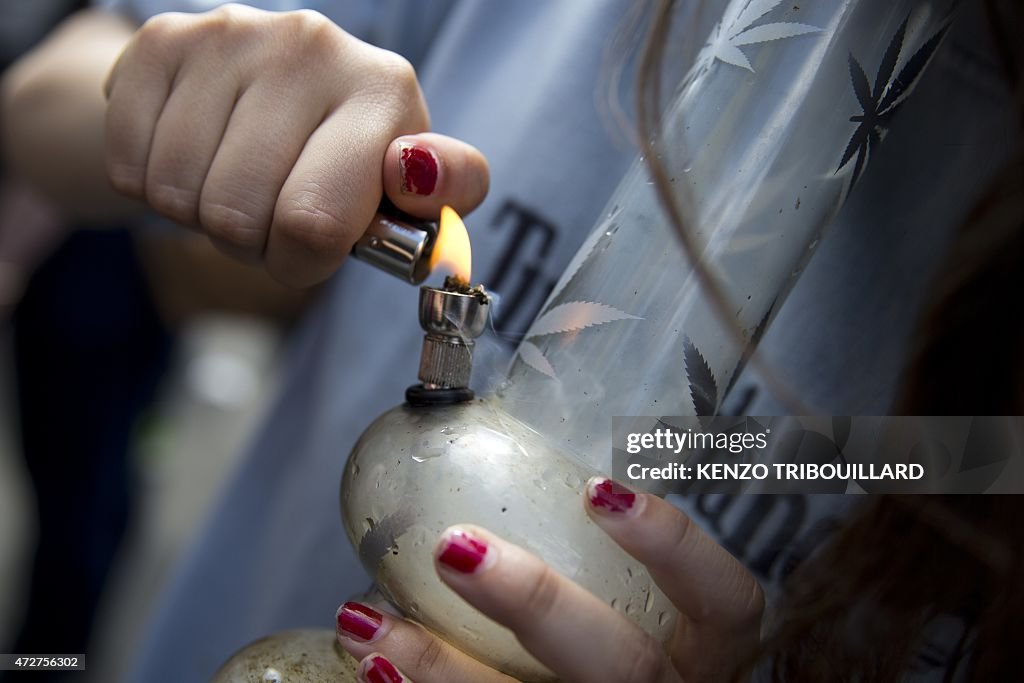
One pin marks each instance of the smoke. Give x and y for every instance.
(492, 354)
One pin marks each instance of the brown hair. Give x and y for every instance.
(904, 572)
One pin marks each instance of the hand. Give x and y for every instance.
(571, 631)
(276, 134)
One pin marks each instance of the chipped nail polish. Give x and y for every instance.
(462, 552)
(380, 670)
(610, 496)
(419, 170)
(359, 622)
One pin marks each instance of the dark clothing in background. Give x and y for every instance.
(89, 351)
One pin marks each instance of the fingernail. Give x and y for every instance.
(419, 170)
(606, 495)
(380, 670)
(358, 621)
(462, 552)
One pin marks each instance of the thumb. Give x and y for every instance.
(424, 172)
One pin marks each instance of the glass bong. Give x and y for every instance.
(770, 130)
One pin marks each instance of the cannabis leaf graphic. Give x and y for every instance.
(737, 31)
(607, 228)
(703, 389)
(575, 315)
(534, 357)
(755, 339)
(879, 103)
(567, 317)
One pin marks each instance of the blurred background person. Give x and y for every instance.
(94, 302)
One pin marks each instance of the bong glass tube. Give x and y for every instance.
(770, 131)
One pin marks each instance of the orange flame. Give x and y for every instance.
(452, 253)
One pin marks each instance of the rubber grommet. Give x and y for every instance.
(418, 395)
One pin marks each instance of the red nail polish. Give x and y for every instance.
(611, 496)
(462, 552)
(419, 171)
(359, 621)
(381, 670)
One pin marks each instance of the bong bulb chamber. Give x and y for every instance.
(428, 464)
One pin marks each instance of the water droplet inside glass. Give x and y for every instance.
(429, 453)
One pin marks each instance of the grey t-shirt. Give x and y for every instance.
(522, 82)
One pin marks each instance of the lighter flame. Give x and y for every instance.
(452, 253)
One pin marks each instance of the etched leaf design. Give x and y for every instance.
(576, 315)
(892, 53)
(703, 389)
(879, 104)
(733, 55)
(861, 87)
(754, 10)
(583, 253)
(769, 32)
(755, 339)
(737, 30)
(534, 357)
(907, 76)
(856, 141)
